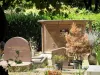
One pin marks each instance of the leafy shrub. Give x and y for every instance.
(59, 58)
(25, 26)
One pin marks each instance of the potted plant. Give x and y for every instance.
(92, 59)
(77, 44)
(98, 53)
(96, 48)
(58, 61)
(94, 55)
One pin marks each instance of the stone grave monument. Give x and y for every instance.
(17, 50)
(17, 44)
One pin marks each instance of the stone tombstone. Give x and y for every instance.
(17, 44)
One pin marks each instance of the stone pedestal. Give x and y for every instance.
(14, 67)
(93, 70)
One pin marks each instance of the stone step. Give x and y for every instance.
(68, 67)
(14, 67)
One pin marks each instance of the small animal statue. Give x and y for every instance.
(92, 59)
(3, 71)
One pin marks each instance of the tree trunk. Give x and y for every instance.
(3, 24)
(96, 5)
(89, 4)
(86, 4)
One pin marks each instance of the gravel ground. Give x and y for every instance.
(32, 73)
(41, 72)
(26, 73)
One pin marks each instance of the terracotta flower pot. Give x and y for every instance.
(92, 59)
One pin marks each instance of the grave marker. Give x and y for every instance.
(17, 45)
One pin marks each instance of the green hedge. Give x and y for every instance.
(25, 26)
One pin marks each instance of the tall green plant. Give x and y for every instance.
(97, 50)
(58, 58)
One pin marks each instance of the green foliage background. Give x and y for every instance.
(27, 25)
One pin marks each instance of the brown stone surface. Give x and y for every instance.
(17, 44)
